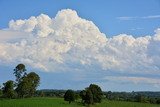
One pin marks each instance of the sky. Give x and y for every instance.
(74, 43)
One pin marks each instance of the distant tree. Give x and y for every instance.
(76, 96)
(42, 94)
(69, 96)
(158, 101)
(97, 93)
(8, 89)
(109, 95)
(88, 97)
(153, 100)
(140, 98)
(19, 72)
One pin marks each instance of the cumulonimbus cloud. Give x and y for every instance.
(69, 43)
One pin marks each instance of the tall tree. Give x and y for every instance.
(28, 85)
(19, 72)
(97, 93)
(8, 89)
(34, 81)
(89, 97)
(69, 96)
(23, 88)
(83, 95)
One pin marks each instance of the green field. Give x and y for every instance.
(59, 102)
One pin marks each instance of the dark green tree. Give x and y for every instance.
(76, 96)
(0, 91)
(23, 88)
(92, 94)
(83, 95)
(19, 72)
(8, 89)
(153, 100)
(96, 92)
(34, 81)
(158, 101)
(88, 97)
(28, 85)
(140, 98)
(69, 96)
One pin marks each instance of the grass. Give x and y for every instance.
(124, 104)
(37, 102)
(59, 102)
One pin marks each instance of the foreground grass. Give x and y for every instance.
(124, 104)
(59, 102)
(37, 102)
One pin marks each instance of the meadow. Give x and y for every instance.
(59, 102)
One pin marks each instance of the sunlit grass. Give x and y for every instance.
(59, 102)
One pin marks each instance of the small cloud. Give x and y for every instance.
(126, 18)
(135, 80)
(138, 18)
(151, 17)
(133, 29)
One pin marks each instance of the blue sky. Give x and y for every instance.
(103, 13)
(138, 18)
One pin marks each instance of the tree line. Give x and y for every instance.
(25, 84)
(143, 97)
(93, 94)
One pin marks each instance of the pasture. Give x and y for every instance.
(59, 102)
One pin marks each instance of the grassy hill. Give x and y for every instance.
(59, 102)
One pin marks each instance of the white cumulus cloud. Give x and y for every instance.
(69, 43)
